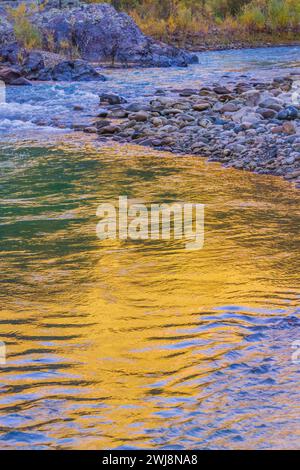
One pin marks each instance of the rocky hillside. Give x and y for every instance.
(100, 34)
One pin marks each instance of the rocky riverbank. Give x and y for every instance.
(249, 125)
(220, 39)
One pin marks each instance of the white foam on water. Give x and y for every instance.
(12, 126)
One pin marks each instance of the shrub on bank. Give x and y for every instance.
(271, 15)
(26, 33)
(165, 18)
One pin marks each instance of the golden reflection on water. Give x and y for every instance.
(145, 344)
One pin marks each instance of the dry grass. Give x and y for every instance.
(272, 21)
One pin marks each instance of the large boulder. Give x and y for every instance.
(101, 34)
(71, 70)
(9, 74)
(41, 65)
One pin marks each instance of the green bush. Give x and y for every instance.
(26, 33)
(271, 15)
(253, 17)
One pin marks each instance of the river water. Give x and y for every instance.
(46, 107)
(143, 344)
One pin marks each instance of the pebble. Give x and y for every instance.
(289, 113)
(201, 106)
